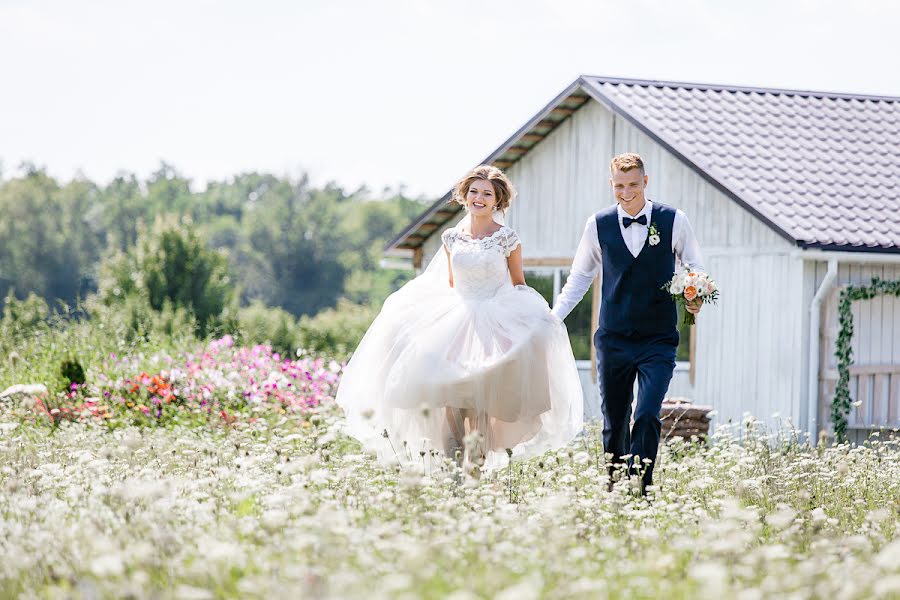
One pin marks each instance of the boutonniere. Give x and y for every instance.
(653, 234)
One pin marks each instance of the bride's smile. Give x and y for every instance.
(481, 198)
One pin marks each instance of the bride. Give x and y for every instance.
(466, 359)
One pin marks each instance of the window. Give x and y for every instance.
(548, 281)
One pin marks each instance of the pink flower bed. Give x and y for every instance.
(222, 384)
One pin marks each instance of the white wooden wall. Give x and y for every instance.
(752, 348)
(561, 182)
(741, 366)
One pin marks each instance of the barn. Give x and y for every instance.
(795, 199)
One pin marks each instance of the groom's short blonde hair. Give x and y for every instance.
(626, 162)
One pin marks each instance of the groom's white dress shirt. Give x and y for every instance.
(588, 261)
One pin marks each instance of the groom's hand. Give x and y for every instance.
(694, 306)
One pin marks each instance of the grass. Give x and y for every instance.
(279, 502)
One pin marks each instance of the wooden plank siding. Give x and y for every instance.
(751, 349)
(748, 346)
(748, 349)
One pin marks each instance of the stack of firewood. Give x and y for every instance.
(681, 418)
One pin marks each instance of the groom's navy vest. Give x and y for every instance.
(633, 302)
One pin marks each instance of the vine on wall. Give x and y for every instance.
(840, 405)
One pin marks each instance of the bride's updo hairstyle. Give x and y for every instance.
(503, 187)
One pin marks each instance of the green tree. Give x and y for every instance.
(288, 244)
(124, 208)
(297, 232)
(171, 266)
(47, 242)
(365, 228)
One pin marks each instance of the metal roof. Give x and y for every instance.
(820, 168)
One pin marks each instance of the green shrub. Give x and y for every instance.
(22, 318)
(173, 273)
(134, 319)
(261, 324)
(72, 371)
(88, 344)
(336, 331)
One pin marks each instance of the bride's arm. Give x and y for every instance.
(449, 265)
(516, 274)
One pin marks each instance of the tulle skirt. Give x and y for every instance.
(435, 365)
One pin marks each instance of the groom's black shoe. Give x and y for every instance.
(615, 472)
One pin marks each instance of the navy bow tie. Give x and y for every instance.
(627, 221)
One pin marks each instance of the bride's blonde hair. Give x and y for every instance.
(503, 187)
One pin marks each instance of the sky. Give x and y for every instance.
(392, 93)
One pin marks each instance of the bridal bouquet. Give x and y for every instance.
(689, 285)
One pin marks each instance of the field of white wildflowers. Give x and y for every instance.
(276, 502)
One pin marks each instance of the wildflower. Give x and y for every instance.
(782, 517)
(109, 565)
(889, 556)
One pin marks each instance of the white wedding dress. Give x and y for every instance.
(439, 361)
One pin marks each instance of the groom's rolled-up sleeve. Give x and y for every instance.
(684, 243)
(585, 267)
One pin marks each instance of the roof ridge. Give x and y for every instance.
(713, 176)
(752, 197)
(739, 88)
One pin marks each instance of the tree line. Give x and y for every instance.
(276, 249)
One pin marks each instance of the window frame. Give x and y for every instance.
(554, 269)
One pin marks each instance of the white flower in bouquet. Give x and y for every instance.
(688, 286)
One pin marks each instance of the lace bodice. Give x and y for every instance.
(479, 265)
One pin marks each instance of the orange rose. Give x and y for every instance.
(690, 292)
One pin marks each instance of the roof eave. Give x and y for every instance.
(494, 157)
(847, 248)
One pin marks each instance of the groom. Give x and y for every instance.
(634, 244)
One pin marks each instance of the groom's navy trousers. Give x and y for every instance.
(622, 360)
(636, 337)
